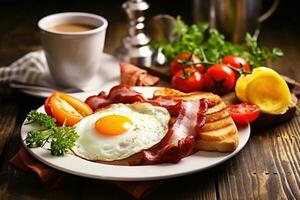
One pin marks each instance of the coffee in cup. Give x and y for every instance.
(71, 27)
(73, 43)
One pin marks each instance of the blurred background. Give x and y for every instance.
(19, 33)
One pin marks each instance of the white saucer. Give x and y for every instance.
(108, 76)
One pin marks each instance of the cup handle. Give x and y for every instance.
(269, 12)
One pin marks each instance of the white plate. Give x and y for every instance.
(108, 76)
(191, 164)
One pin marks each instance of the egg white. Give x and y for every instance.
(150, 125)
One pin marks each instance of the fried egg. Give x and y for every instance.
(120, 130)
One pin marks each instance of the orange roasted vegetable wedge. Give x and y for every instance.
(66, 109)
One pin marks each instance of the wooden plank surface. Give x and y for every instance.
(267, 168)
(7, 124)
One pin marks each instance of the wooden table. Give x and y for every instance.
(267, 168)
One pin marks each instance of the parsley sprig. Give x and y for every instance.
(41, 119)
(211, 46)
(60, 138)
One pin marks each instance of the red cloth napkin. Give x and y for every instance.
(51, 178)
(132, 75)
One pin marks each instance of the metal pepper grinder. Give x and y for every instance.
(135, 45)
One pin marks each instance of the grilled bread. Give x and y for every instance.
(219, 132)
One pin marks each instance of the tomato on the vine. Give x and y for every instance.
(219, 79)
(188, 80)
(243, 113)
(186, 60)
(237, 62)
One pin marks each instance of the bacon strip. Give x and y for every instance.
(124, 94)
(118, 94)
(172, 105)
(200, 118)
(135, 76)
(179, 140)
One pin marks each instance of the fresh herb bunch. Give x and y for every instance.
(210, 46)
(60, 138)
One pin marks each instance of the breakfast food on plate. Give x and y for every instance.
(120, 130)
(216, 133)
(126, 128)
(186, 119)
(219, 132)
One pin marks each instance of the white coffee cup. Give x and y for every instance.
(73, 57)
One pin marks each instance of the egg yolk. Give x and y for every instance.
(112, 125)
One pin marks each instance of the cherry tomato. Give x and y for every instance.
(243, 113)
(188, 80)
(66, 109)
(219, 79)
(191, 60)
(237, 62)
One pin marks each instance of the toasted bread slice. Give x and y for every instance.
(227, 145)
(186, 96)
(219, 132)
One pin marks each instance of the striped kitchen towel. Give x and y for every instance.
(30, 69)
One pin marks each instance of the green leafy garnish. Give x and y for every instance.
(210, 45)
(259, 55)
(41, 119)
(60, 138)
